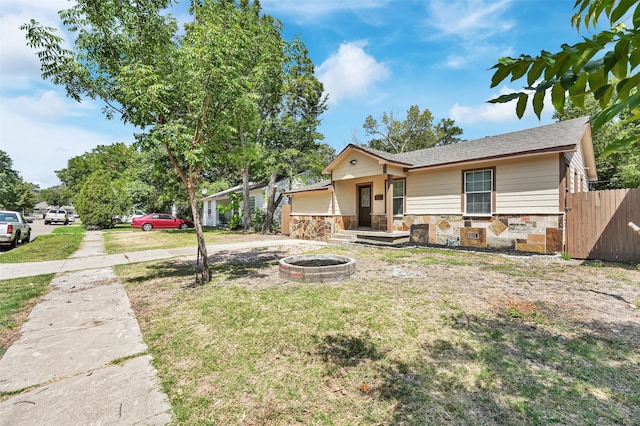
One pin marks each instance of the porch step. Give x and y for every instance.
(341, 238)
(370, 237)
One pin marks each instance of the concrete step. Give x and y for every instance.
(340, 238)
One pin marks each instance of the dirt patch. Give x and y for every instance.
(543, 290)
(416, 336)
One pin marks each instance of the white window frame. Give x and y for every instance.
(479, 191)
(402, 197)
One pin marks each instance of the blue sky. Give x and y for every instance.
(372, 56)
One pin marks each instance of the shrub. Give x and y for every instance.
(99, 200)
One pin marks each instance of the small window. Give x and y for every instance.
(398, 197)
(478, 190)
(252, 203)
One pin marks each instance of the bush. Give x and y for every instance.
(257, 219)
(99, 201)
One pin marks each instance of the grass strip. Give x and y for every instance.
(17, 298)
(45, 247)
(70, 229)
(117, 241)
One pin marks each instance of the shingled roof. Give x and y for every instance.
(558, 137)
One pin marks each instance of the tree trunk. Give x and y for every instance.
(246, 214)
(271, 203)
(205, 274)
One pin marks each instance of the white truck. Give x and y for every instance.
(56, 215)
(14, 228)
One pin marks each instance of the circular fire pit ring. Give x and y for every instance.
(317, 268)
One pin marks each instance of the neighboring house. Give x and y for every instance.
(506, 191)
(257, 200)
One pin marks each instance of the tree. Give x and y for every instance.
(57, 195)
(187, 91)
(99, 200)
(26, 196)
(416, 132)
(115, 159)
(9, 181)
(15, 193)
(585, 68)
(291, 141)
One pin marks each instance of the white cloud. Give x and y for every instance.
(38, 147)
(469, 19)
(48, 105)
(306, 10)
(495, 113)
(350, 72)
(19, 62)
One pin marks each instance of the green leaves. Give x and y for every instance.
(573, 70)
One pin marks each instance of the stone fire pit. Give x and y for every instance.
(317, 268)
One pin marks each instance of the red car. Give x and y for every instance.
(160, 221)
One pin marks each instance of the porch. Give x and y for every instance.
(370, 236)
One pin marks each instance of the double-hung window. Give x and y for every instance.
(398, 197)
(478, 191)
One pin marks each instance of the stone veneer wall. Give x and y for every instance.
(319, 228)
(530, 233)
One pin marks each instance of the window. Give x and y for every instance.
(478, 190)
(398, 197)
(252, 203)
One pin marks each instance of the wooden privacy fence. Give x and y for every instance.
(598, 225)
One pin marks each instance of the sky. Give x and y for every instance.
(372, 56)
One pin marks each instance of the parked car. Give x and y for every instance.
(160, 221)
(14, 228)
(134, 213)
(56, 215)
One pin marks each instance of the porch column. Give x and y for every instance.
(389, 203)
(214, 213)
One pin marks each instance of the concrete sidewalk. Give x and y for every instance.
(81, 359)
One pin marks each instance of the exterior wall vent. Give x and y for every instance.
(473, 236)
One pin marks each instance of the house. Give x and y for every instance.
(257, 199)
(212, 217)
(506, 191)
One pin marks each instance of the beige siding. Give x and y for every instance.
(346, 193)
(436, 192)
(524, 186)
(311, 203)
(345, 198)
(364, 166)
(577, 173)
(396, 171)
(528, 185)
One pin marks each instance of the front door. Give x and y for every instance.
(364, 206)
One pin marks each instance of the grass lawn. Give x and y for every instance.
(17, 298)
(117, 241)
(417, 336)
(55, 246)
